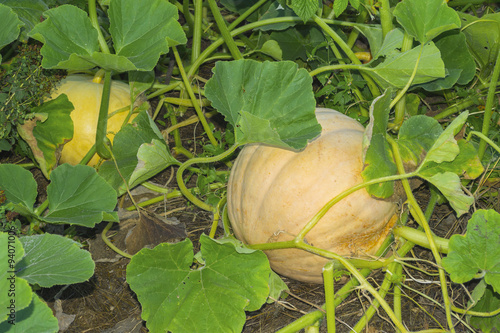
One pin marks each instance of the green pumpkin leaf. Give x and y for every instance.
(396, 70)
(266, 102)
(37, 317)
(466, 163)
(10, 26)
(69, 38)
(305, 9)
(139, 151)
(78, 195)
(16, 291)
(210, 298)
(378, 158)
(483, 39)
(450, 186)
(477, 251)
(416, 137)
(43, 264)
(46, 134)
(152, 158)
(459, 63)
(28, 12)
(19, 186)
(426, 19)
(489, 302)
(142, 31)
(445, 148)
(276, 10)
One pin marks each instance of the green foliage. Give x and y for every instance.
(211, 297)
(75, 266)
(483, 39)
(76, 195)
(24, 85)
(305, 9)
(486, 301)
(49, 129)
(37, 260)
(425, 20)
(139, 153)
(71, 42)
(476, 254)
(265, 102)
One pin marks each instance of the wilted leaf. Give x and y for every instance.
(151, 230)
(47, 133)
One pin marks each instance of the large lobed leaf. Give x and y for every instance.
(426, 19)
(141, 32)
(10, 26)
(477, 251)
(396, 69)
(269, 102)
(28, 12)
(19, 186)
(211, 298)
(43, 264)
(78, 195)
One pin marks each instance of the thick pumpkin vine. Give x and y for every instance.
(265, 102)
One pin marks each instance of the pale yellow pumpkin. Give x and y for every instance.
(274, 192)
(85, 94)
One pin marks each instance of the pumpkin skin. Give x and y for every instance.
(86, 98)
(274, 192)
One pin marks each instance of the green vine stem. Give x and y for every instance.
(221, 24)
(420, 238)
(385, 17)
(363, 283)
(102, 143)
(354, 34)
(488, 108)
(111, 245)
(329, 296)
(180, 180)
(484, 138)
(197, 29)
(247, 13)
(187, 15)
(347, 50)
(95, 23)
(219, 210)
(170, 194)
(400, 106)
(196, 105)
(340, 296)
(422, 221)
(248, 27)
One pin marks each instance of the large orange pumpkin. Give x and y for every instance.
(274, 192)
